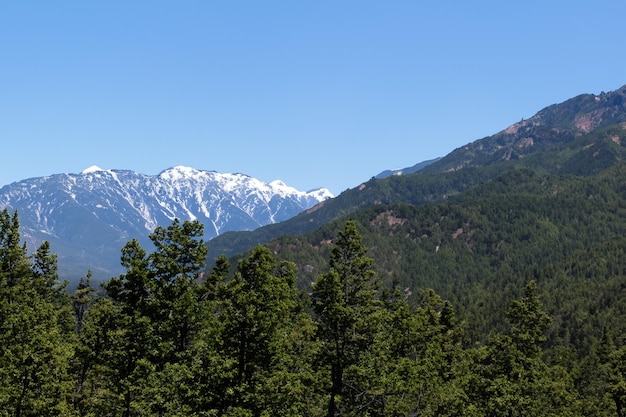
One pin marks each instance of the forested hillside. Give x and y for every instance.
(164, 339)
(582, 154)
(480, 248)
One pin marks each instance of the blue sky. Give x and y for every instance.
(316, 93)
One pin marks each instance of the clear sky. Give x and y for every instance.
(315, 93)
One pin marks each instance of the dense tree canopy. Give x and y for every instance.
(167, 338)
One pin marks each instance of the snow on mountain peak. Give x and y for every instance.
(180, 172)
(115, 205)
(321, 194)
(91, 169)
(279, 184)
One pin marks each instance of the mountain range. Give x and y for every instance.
(88, 217)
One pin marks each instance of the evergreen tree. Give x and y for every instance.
(257, 314)
(14, 265)
(208, 378)
(83, 297)
(416, 365)
(513, 379)
(211, 287)
(138, 345)
(528, 322)
(175, 265)
(35, 346)
(618, 380)
(98, 361)
(345, 303)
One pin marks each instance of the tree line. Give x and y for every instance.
(167, 338)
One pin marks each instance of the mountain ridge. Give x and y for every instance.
(553, 126)
(554, 140)
(88, 217)
(408, 170)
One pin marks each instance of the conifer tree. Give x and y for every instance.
(175, 266)
(257, 312)
(35, 346)
(415, 365)
(344, 300)
(512, 377)
(14, 265)
(82, 299)
(138, 344)
(617, 372)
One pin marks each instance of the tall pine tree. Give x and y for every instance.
(345, 303)
(36, 342)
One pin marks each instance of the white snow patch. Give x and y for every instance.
(180, 172)
(282, 188)
(91, 169)
(321, 194)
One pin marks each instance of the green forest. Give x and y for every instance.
(170, 337)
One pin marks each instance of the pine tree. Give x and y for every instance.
(83, 297)
(512, 377)
(14, 265)
(528, 322)
(176, 265)
(257, 312)
(35, 343)
(617, 372)
(141, 348)
(345, 303)
(415, 366)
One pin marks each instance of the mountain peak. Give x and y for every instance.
(550, 129)
(179, 172)
(91, 169)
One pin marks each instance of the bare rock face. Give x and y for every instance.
(554, 126)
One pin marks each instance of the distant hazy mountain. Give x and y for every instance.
(88, 217)
(405, 171)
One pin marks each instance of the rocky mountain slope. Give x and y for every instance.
(555, 126)
(582, 136)
(88, 217)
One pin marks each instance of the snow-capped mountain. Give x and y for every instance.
(88, 217)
